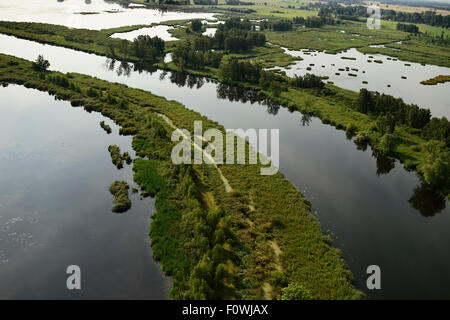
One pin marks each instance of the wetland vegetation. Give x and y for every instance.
(258, 240)
(236, 246)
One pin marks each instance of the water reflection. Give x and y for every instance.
(125, 68)
(384, 163)
(370, 214)
(427, 199)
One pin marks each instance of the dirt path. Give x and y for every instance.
(222, 177)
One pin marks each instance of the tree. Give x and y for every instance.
(386, 124)
(387, 143)
(436, 163)
(41, 64)
(295, 291)
(196, 25)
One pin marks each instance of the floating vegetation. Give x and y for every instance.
(436, 80)
(377, 61)
(119, 189)
(348, 58)
(127, 158)
(117, 158)
(105, 127)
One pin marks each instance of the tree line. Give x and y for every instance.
(346, 12)
(411, 28)
(143, 47)
(392, 111)
(286, 25)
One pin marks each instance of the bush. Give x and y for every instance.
(295, 291)
(40, 65)
(351, 129)
(119, 189)
(105, 127)
(196, 25)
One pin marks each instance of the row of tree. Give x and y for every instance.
(143, 47)
(286, 25)
(426, 17)
(370, 102)
(245, 71)
(195, 54)
(411, 28)
(392, 111)
(307, 81)
(346, 12)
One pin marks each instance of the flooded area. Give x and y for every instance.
(92, 14)
(377, 73)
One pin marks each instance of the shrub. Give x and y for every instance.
(295, 291)
(40, 64)
(119, 189)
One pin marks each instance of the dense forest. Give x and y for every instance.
(199, 51)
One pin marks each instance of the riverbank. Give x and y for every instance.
(263, 213)
(335, 106)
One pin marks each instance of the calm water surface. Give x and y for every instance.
(160, 31)
(377, 212)
(378, 76)
(102, 14)
(55, 207)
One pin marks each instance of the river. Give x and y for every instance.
(370, 207)
(55, 206)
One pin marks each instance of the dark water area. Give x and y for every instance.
(55, 206)
(375, 211)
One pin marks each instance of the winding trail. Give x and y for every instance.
(226, 184)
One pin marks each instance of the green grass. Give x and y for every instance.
(431, 30)
(91, 41)
(414, 50)
(331, 39)
(436, 80)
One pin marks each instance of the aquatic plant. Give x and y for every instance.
(119, 189)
